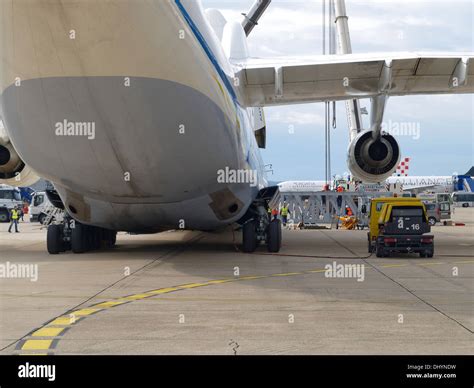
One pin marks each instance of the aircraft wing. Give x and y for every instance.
(282, 81)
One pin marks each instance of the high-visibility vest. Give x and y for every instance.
(284, 211)
(15, 214)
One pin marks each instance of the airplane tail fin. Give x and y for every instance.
(403, 167)
(470, 172)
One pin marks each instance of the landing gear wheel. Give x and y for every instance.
(80, 238)
(249, 237)
(54, 240)
(274, 236)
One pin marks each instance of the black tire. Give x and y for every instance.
(79, 238)
(432, 221)
(379, 251)
(465, 205)
(54, 240)
(423, 254)
(249, 237)
(430, 253)
(274, 236)
(370, 248)
(4, 216)
(41, 218)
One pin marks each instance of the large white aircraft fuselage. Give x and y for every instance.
(131, 109)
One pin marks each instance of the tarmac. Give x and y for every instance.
(185, 292)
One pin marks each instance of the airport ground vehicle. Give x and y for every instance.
(399, 225)
(43, 211)
(463, 199)
(9, 198)
(437, 211)
(434, 197)
(39, 204)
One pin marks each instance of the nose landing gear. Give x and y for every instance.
(258, 229)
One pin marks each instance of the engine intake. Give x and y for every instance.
(13, 171)
(372, 160)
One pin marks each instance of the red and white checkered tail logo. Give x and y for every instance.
(403, 167)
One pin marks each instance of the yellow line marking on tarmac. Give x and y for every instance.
(423, 264)
(163, 290)
(137, 296)
(84, 312)
(62, 321)
(287, 274)
(221, 281)
(463, 262)
(33, 354)
(251, 277)
(193, 285)
(37, 344)
(48, 332)
(110, 303)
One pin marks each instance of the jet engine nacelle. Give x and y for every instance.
(373, 160)
(13, 171)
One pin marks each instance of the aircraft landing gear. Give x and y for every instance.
(80, 238)
(259, 228)
(274, 236)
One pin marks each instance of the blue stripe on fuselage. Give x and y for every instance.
(208, 51)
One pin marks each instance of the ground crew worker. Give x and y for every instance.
(274, 214)
(349, 211)
(25, 210)
(14, 216)
(284, 213)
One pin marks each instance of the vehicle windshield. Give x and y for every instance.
(407, 212)
(38, 200)
(10, 194)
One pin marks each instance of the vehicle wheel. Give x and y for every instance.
(370, 248)
(432, 221)
(379, 251)
(465, 205)
(54, 240)
(41, 218)
(430, 253)
(4, 216)
(80, 238)
(274, 236)
(423, 254)
(249, 237)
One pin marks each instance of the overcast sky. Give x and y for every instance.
(446, 123)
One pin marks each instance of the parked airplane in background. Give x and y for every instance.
(301, 186)
(434, 184)
(132, 109)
